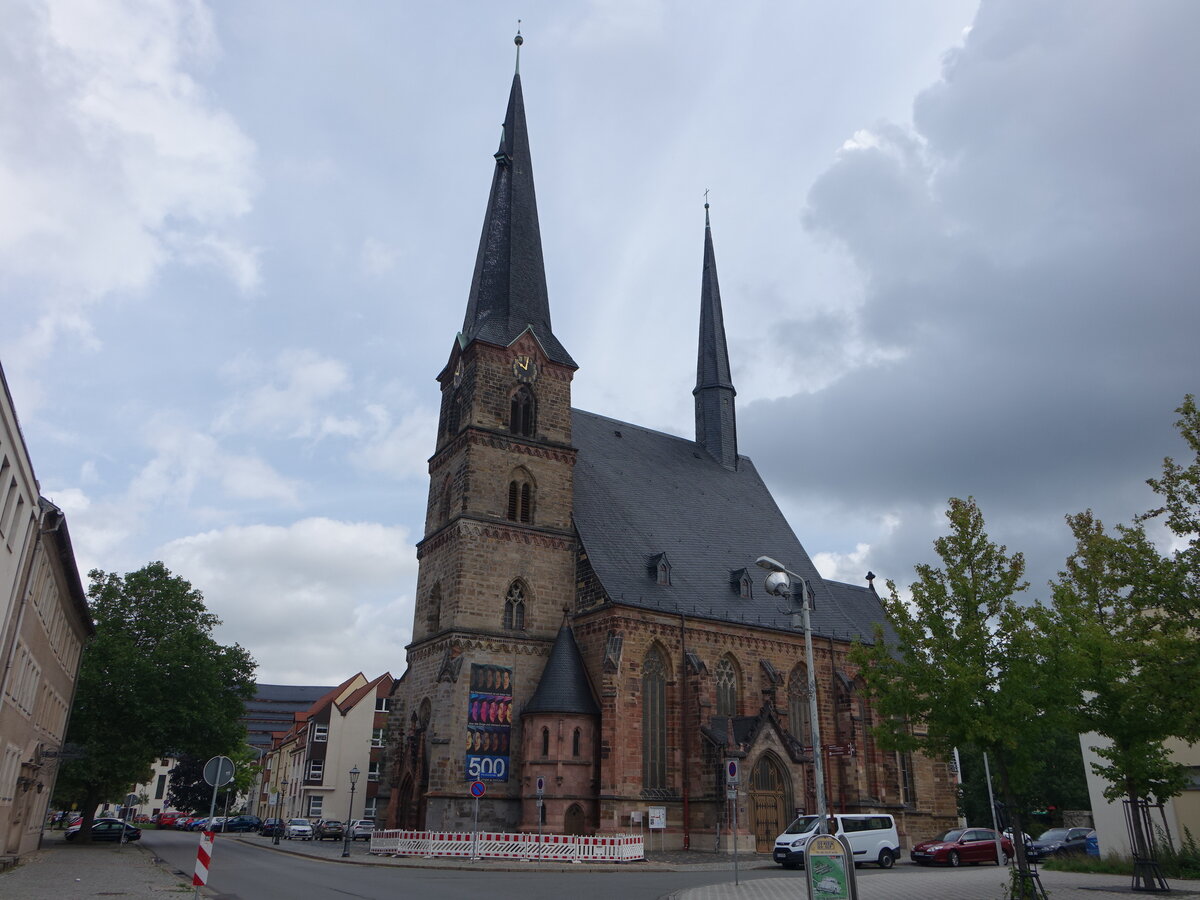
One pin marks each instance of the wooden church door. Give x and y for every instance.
(770, 802)
(573, 821)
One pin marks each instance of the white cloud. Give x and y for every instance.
(399, 449)
(299, 384)
(378, 258)
(309, 598)
(113, 159)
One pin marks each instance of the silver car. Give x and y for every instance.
(298, 828)
(362, 829)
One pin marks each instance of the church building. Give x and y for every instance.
(589, 616)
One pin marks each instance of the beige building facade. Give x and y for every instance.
(44, 625)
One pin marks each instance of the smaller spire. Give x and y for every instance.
(707, 225)
(518, 40)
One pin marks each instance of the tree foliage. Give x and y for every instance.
(974, 668)
(153, 682)
(1130, 614)
(190, 793)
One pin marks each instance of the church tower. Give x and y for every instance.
(497, 560)
(716, 424)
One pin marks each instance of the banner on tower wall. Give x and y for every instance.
(489, 723)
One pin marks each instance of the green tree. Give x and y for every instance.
(1131, 612)
(152, 682)
(973, 667)
(190, 793)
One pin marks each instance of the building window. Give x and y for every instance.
(320, 732)
(654, 720)
(514, 607)
(383, 704)
(545, 742)
(377, 737)
(373, 771)
(727, 687)
(575, 743)
(798, 706)
(160, 789)
(908, 789)
(316, 769)
(433, 612)
(369, 808)
(520, 501)
(314, 806)
(522, 412)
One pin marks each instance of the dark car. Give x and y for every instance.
(242, 823)
(1061, 842)
(329, 828)
(107, 830)
(963, 845)
(271, 827)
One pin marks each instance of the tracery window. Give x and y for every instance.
(575, 743)
(654, 720)
(522, 412)
(520, 498)
(514, 607)
(727, 687)
(798, 706)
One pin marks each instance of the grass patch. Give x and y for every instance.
(1176, 862)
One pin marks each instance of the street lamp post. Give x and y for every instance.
(784, 582)
(354, 773)
(279, 812)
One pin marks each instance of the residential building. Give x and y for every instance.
(588, 611)
(341, 730)
(44, 625)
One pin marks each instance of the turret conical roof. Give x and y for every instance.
(564, 686)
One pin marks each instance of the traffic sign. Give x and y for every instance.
(218, 771)
(478, 789)
(541, 785)
(731, 771)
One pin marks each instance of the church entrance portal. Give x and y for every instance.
(573, 821)
(770, 802)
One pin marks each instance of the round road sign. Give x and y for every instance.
(218, 771)
(478, 789)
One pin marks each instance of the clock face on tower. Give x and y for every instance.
(458, 373)
(524, 368)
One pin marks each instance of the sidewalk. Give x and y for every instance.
(62, 871)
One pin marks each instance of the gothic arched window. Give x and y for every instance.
(545, 742)
(798, 708)
(727, 687)
(654, 720)
(575, 743)
(433, 612)
(514, 607)
(522, 413)
(520, 498)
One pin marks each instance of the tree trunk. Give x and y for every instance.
(1024, 886)
(91, 799)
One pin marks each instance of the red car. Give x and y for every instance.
(963, 845)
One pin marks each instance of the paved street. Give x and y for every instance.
(250, 867)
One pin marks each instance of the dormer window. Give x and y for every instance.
(659, 568)
(741, 583)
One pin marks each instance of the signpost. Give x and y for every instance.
(658, 822)
(218, 772)
(829, 868)
(478, 789)
(541, 789)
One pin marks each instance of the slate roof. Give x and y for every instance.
(273, 709)
(508, 288)
(563, 686)
(641, 493)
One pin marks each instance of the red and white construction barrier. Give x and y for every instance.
(494, 845)
(203, 858)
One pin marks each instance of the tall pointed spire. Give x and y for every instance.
(508, 290)
(716, 422)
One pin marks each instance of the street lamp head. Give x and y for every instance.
(778, 584)
(774, 565)
(354, 773)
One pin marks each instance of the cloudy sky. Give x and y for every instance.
(957, 244)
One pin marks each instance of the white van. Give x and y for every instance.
(872, 837)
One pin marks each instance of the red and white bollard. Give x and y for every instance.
(203, 858)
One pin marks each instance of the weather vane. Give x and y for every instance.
(518, 40)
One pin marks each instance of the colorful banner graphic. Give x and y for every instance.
(489, 723)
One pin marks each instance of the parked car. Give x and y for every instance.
(1093, 844)
(1061, 842)
(330, 829)
(271, 827)
(872, 838)
(300, 829)
(242, 823)
(107, 830)
(963, 845)
(361, 830)
(182, 823)
(199, 824)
